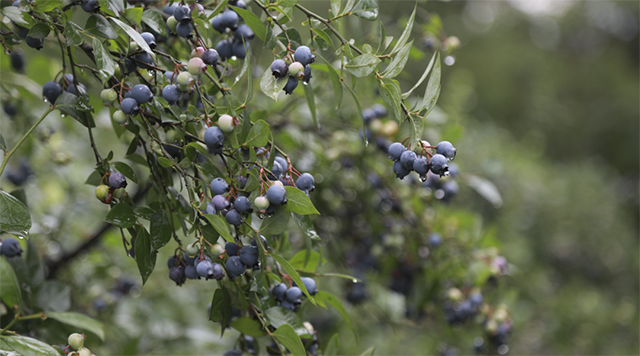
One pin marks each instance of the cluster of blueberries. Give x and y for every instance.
(51, 90)
(232, 211)
(10, 247)
(406, 160)
(299, 69)
(117, 183)
(458, 308)
(291, 298)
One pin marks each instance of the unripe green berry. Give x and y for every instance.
(133, 46)
(117, 72)
(185, 79)
(193, 249)
(184, 88)
(455, 294)
(172, 23)
(76, 341)
(217, 249)
(120, 117)
(197, 52)
(118, 193)
(196, 66)
(295, 69)
(172, 136)
(261, 202)
(101, 193)
(84, 352)
(108, 96)
(225, 123)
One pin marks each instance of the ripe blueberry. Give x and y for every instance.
(379, 110)
(438, 165)
(446, 149)
(204, 268)
(50, 91)
(216, 23)
(17, 61)
(210, 57)
(244, 32)
(249, 256)
(279, 68)
(421, 166)
(182, 13)
(286, 304)
(400, 170)
(293, 295)
(264, 242)
(149, 38)
(282, 162)
(229, 19)
(217, 271)
(277, 195)
(303, 55)
(310, 284)
(407, 158)
(307, 74)
(90, 5)
(184, 29)
(279, 291)
(396, 150)
(214, 138)
(243, 205)
(210, 209)
(368, 115)
(231, 248)
(235, 267)
(239, 50)
(225, 49)
(117, 180)
(171, 93)
(435, 239)
(81, 90)
(234, 218)
(191, 272)
(220, 202)
(277, 170)
(219, 186)
(129, 106)
(144, 60)
(10, 247)
(141, 93)
(177, 274)
(305, 182)
(291, 85)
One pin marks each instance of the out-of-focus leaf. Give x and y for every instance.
(39, 30)
(71, 34)
(9, 287)
(404, 37)
(486, 189)
(366, 9)
(79, 321)
(279, 316)
(145, 257)
(288, 337)
(14, 215)
(433, 89)
(248, 326)
(159, 230)
(362, 65)
(25, 346)
(253, 21)
(332, 300)
(21, 18)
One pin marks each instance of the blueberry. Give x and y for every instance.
(277, 195)
(184, 29)
(282, 162)
(305, 182)
(197, 260)
(233, 352)
(235, 267)
(81, 90)
(171, 93)
(182, 13)
(303, 55)
(129, 65)
(173, 261)
(476, 299)
(229, 19)
(293, 295)
(214, 138)
(210, 57)
(232, 249)
(51, 90)
(234, 218)
(144, 60)
(17, 61)
(220, 202)
(149, 38)
(407, 158)
(216, 23)
(219, 186)
(279, 291)
(421, 166)
(244, 32)
(368, 115)
(191, 272)
(239, 50)
(129, 106)
(400, 170)
(238, 3)
(450, 189)
(249, 256)
(291, 85)
(271, 209)
(66, 80)
(217, 272)
(446, 149)
(190, 260)
(264, 242)
(277, 170)
(435, 239)
(170, 9)
(279, 68)
(379, 110)
(177, 274)
(225, 49)
(454, 170)
(10, 109)
(117, 180)
(141, 93)
(211, 209)
(396, 149)
(204, 269)
(307, 74)
(10, 247)
(288, 305)
(243, 205)
(438, 165)
(90, 5)
(242, 181)
(310, 284)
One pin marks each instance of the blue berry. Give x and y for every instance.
(189, 260)
(243, 205)
(244, 32)
(282, 162)
(450, 189)
(238, 3)
(435, 239)
(276, 194)
(277, 170)
(279, 291)
(182, 13)
(90, 5)
(379, 110)
(305, 182)
(438, 165)
(17, 61)
(235, 267)
(177, 274)
(400, 170)
(307, 74)
(396, 149)
(407, 158)
(229, 19)
(117, 180)
(310, 284)
(279, 68)
(446, 149)
(291, 85)
(214, 138)
(225, 49)
(210, 57)
(129, 106)
(217, 272)
(421, 166)
(216, 23)
(144, 60)
(368, 115)
(171, 93)
(149, 38)
(454, 170)
(129, 65)
(141, 93)
(249, 256)
(219, 186)
(220, 202)
(239, 50)
(264, 242)
(234, 218)
(173, 261)
(81, 90)
(197, 260)
(205, 268)
(286, 304)
(191, 272)
(303, 55)
(51, 90)
(170, 9)
(184, 29)
(293, 295)
(232, 249)
(10, 247)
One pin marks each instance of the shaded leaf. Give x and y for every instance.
(221, 308)
(271, 86)
(99, 26)
(332, 300)
(9, 287)
(288, 337)
(79, 321)
(69, 104)
(159, 230)
(311, 101)
(220, 226)
(366, 9)
(248, 326)
(155, 21)
(71, 34)
(423, 77)
(54, 296)
(369, 352)
(145, 257)
(45, 6)
(121, 215)
(39, 30)
(276, 223)
(14, 215)
(258, 135)
(391, 94)
(279, 316)
(335, 81)
(333, 347)
(126, 170)
(253, 21)
(486, 189)
(18, 16)
(433, 89)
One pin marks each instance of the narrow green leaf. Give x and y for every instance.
(290, 340)
(305, 224)
(323, 35)
(298, 261)
(279, 316)
(3, 145)
(39, 30)
(398, 62)
(14, 215)
(71, 34)
(79, 321)
(369, 352)
(134, 36)
(121, 215)
(134, 14)
(486, 189)
(47, 5)
(155, 21)
(332, 300)
(293, 274)
(335, 82)
(406, 33)
(271, 86)
(299, 202)
(220, 226)
(416, 127)
(363, 65)
(348, 6)
(99, 26)
(126, 170)
(21, 18)
(335, 7)
(9, 287)
(423, 77)
(258, 135)
(69, 104)
(433, 89)
(145, 257)
(333, 347)
(276, 223)
(159, 230)
(311, 101)
(341, 275)
(22, 345)
(253, 21)
(382, 34)
(248, 326)
(390, 92)
(366, 9)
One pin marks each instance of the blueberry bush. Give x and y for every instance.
(297, 214)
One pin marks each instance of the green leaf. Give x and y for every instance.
(366, 9)
(323, 35)
(14, 215)
(221, 308)
(3, 145)
(145, 257)
(424, 75)
(290, 340)
(341, 275)
(279, 316)
(155, 21)
(135, 14)
(165, 162)
(305, 224)
(398, 62)
(348, 6)
(335, 7)
(21, 18)
(369, 352)
(54, 296)
(258, 135)
(68, 104)
(416, 127)
(391, 94)
(298, 261)
(382, 34)
(39, 30)
(293, 274)
(79, 321)
(99, 26)
(9, 287)
(25, 346)
(433, 89)
(126, 170)
(299, 202)
(328, 298)
(121, 215)
(363, 65)
(276, 223)
(134, 36)
(159, 230)
(288, 3)
(71, 34)
(486, 189)
(311, 101)
(248, 326)
(271, 86)
(46, 5)
(406, 33)
(333, 347)
(335, 81)
(253, 21)
(220, 226)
